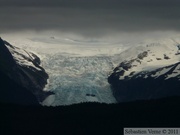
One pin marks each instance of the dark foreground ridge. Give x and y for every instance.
(88, 118)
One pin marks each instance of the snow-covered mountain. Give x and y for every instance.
(24, 68)
(80, 73)
(147, 71)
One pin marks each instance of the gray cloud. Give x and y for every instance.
(90, 18)
(91, 4)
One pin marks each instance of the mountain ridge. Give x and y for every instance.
(153, 72)
(24, 68)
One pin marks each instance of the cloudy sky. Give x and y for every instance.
(90, 18)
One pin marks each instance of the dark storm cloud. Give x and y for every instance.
(90, 17)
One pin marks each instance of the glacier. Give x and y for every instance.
(78, 79)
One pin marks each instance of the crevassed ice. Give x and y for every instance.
(78, 79)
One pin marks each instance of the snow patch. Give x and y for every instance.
(22, 57)
(162, 72)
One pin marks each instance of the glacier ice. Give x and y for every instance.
(78, 79)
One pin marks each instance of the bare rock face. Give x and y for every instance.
(143, 54)
(24, 68)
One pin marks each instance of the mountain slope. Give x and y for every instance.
(148, 71)
(23, 68)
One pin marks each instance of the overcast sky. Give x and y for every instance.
(90, 18)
